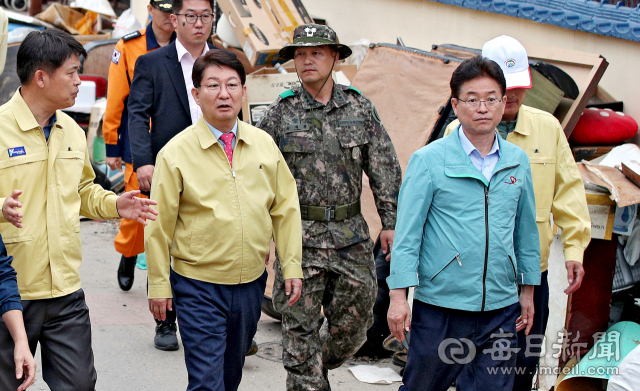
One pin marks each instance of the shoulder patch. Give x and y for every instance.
(355, 89)
(287, 94)
(115, 58)
(132, 35)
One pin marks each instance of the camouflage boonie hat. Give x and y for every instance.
(314, 35)
(162, 5)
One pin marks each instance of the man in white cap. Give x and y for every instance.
(557, 186)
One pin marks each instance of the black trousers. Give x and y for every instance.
(531, 346)
(445, 343)
(62, 328)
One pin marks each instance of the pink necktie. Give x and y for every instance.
(227, 138)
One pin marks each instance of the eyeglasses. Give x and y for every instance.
(193, 18)
(215, 87)
(474, 104)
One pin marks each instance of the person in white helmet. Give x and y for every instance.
(558, 190)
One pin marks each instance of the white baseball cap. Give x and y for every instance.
(512, 58)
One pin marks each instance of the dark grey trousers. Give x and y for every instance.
(62, 328)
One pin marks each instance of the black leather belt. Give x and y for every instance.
(330, 212)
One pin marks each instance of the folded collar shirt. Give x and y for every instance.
(218, 133)
(186, 62)
(486, 164)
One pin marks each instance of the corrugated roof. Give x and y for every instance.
(597, 17)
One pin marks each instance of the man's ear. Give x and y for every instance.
(39, 78)
(196, 95)
(454, 104)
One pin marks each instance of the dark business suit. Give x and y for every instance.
(158, 93)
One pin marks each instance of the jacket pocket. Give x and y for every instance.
(515, 273)
(12, 234)
(455, 258)
(298, 151)
(543, 173)
(298, 144)
(69, 165)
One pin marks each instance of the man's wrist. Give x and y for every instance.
(399, 293)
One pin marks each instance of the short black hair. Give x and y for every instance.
(476, 67)
(46, 50)
(220, 58)
(176, 6)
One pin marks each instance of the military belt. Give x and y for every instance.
(330, 212)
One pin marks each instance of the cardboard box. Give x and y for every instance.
(248, 68)
(264, 86)
(602, 211)
(61, 16)
(290, 14)
(256, 28)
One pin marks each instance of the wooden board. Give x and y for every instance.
(629, 193)
(590, 152)
(631, 170)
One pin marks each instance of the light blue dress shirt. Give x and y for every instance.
(218, 133)
(485, 165)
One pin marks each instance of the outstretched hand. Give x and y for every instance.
(133, 208)
(9, 210)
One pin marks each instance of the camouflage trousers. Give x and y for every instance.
(341, 283)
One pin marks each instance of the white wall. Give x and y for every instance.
(422, 23)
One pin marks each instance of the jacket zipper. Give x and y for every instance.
(515, 274)
(456, 258)
(486, 247)
(486, 227)
(233, 173)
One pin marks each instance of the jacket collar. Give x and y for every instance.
(152, 42)
(457, 163)
(521, 127)
(23, 115)
(338, 98)
(207, 139)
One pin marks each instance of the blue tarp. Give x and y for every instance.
(598, 17)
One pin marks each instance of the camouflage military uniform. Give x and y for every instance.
(327, 147)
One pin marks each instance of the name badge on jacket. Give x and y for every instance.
(17, 151)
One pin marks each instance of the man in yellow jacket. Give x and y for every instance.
(224, 191)
(160, 32)
(557, 186)
(48, 182)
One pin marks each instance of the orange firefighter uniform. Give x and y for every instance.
(130, 240)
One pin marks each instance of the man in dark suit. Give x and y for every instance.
(160, 94)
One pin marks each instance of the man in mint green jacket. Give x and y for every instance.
(466, 236)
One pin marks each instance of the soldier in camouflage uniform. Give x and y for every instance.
(329, 134)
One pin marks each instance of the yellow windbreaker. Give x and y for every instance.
(57, 185)
(215, 223)
(557, 183)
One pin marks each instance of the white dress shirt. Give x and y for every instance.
(187, 61)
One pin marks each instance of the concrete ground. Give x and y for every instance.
(123, 331)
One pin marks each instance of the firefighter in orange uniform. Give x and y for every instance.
(160, 32)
